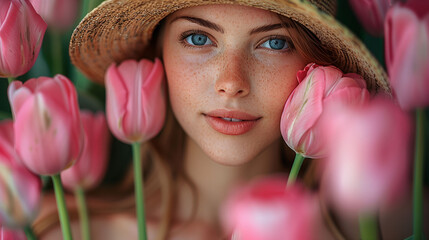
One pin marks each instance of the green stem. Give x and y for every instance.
(418, 177)
(62, 208)
(57, 53)
(138, 188)
(296, 166)
(83, 214)
(368, 225)
(30, 233)
(10, 79)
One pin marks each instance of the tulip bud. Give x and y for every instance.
(11, 234)
(407, 53)
(371, 14)
(89, 170)
(135, 104)
(368, 161)
(301, 122)
(21, 36)
(58, 14)
(48, 131)
(266, 209)
(20, 189)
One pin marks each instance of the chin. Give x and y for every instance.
(233, 154)
(229, 160)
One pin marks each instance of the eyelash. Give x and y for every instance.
(184, 35)
(288, 41)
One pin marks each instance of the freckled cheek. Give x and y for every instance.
(275, 87)
(185, 84)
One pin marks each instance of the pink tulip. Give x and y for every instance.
(11, 234)
(135, 103)
(368, 161)
(7, 140)
(407, 53)
(48, 131)
(58, 14)
(89, 170)
(319, 87)
(266, 209)
(20, 190)
(371, 14)
(21, 36)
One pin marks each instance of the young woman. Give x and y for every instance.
(230, 67)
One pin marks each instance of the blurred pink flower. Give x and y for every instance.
(369, 156)
(91, 166)
(371, 14)
(20, 190)
(58, 14)
(135, 104)
(407, 52)
(11, 234)
(7, 140)
(48, 131)
(319, 87)
(266, 209)
(21, 36)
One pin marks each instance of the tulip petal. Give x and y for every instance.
(91, 166)
(262, 209)
(49, 126)
(154, 101)
(135, 101)
(20, 190)
(4, 9)
(134, 74)
(407, 53)
(7, 151)
(17, 95)
(304, 108)
(21, 36)
(368, 162)
(302, 119)
(398, 22)
(116, 104)
(7, 234)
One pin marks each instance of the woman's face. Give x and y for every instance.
(230, 70)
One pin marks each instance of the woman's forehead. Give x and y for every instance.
(228, 13)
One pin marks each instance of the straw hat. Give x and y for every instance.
(122, 29)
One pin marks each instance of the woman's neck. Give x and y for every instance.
(214, 181)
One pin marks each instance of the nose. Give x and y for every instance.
(233, 80)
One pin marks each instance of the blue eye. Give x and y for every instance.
(198, 40)
(275, 44)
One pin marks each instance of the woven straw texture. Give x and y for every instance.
(122, 29)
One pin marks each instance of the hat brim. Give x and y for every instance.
(122, 29)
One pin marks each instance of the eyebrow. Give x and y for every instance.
(202, 22)
(218, 28)
(266, 28)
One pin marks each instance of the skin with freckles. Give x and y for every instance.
(229, 58)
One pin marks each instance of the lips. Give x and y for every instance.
(231, 122)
